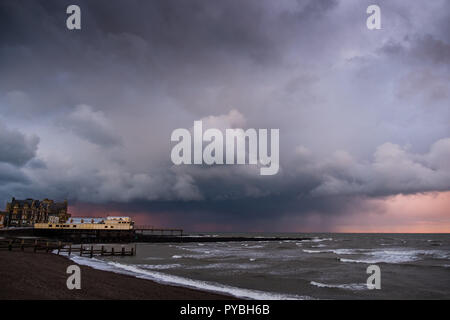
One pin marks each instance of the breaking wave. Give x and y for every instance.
(160, 266)
(318, 240)
(336, 251)
(139, 272)
(397, 256)
(351, 286)
(384, 256)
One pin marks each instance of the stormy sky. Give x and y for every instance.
(86, 115)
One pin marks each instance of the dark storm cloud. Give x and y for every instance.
(148, 42)
(361, 114)
(267, 213)
(10, 174)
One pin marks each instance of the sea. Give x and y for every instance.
(329, 266)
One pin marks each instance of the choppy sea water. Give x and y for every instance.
(331, 266)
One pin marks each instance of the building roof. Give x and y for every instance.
(22, 202)
(77, 220)
(49, 204)
(57, 205)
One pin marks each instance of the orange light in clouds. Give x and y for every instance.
(417, 213)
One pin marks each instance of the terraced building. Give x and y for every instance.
(25, 213)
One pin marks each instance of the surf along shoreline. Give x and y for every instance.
(42, 276)
(39, 275)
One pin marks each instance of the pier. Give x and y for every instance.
(146, 234)
(157, 232)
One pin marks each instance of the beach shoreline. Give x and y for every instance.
(28, 275)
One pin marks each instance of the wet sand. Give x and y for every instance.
(28, 275)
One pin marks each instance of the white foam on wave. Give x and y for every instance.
(316, 251)
(228, 266)
(255, 247)
(163, 278)
(351, 286)
(394, 255)
(397, 256)
(153, 258)
(318, 240)
(160, 266)
(336, 251)
(200, 253)
(355, 261)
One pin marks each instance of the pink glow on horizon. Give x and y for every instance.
(417, 213)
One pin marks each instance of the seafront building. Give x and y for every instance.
(108, 223)
(48, 214)
(26, 213)
(2, 219)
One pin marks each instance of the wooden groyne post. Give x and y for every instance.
(59, 247)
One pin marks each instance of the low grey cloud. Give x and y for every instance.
(426, 48)
(393, 170)
(91, 125)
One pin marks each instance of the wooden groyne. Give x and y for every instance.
(26, 244)
(93, 250)
(72, 236)
(59, 247)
